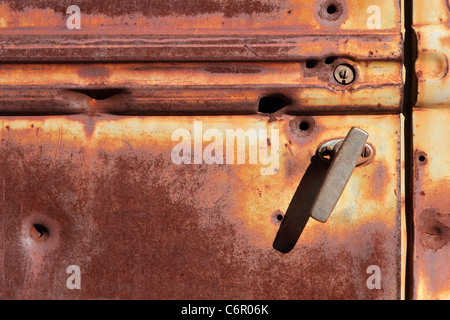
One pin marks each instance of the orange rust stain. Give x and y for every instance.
(231, 14)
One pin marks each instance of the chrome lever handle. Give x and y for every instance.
(338, 174)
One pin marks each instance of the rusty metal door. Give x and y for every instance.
(431, 165)
(206, 150)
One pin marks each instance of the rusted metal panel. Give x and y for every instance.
(104, 194)
(88, 175)
(431, 116)
(201, 88)
(202, 30)
(432, 31)
(431, 204)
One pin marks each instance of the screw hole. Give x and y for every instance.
(422, 158)
(304, 126)
(331, 9)
(277, 217)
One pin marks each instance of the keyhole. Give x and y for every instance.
(343, 75)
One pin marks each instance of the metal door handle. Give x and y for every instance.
(338, 174)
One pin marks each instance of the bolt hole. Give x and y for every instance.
(304, 126)
(277, 217)
(272, 103)
(332, 9)
(422, 158)
(310, 64)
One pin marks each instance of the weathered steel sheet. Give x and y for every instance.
(88, 174)
(103, 193)
(431, 118)
(200, 88)
(432, 32)
(188, 30)
(431, 204)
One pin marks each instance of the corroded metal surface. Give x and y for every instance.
(431, 204)
(201, 30)
(431, 118)
(107, 197)
(88, 177)
(432, 68)
(205, 88)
